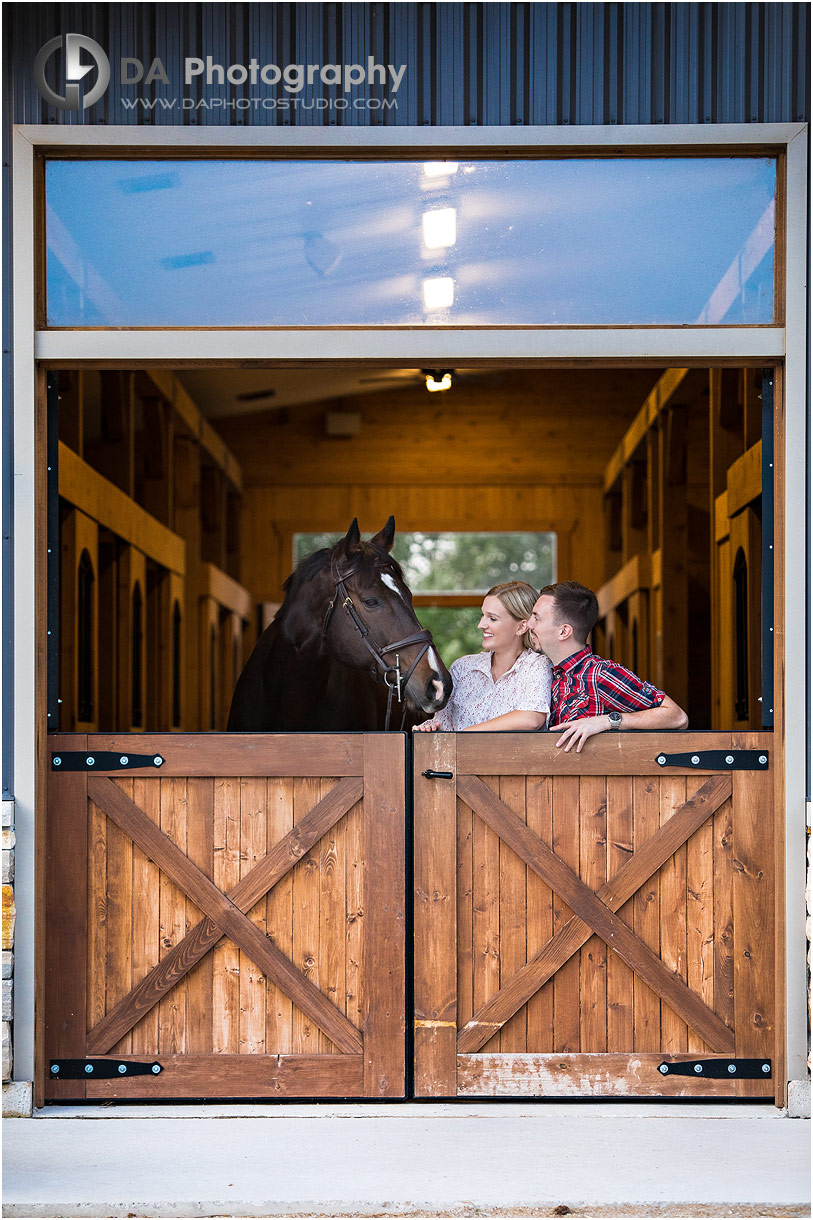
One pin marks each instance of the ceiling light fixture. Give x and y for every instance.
(437, 379)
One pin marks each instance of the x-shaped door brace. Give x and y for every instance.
(225, 914)
(595, 913)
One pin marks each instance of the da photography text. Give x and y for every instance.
(291, 79)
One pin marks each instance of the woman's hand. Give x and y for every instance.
(426, 727)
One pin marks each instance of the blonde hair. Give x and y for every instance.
(519, 600)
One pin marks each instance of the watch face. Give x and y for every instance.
(615, 717)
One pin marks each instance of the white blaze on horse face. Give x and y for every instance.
(434, 661)
(390, 583)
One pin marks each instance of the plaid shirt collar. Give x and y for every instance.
(572, 662)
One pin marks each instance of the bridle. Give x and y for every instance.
(393, 678)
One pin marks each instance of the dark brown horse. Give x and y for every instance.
(343, 648)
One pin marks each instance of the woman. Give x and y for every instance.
(506, 686)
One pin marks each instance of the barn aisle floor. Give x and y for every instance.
(413, 1160)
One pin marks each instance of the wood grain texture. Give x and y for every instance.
(384, 962)
(646, 915)
(200, 848)
(255, 1076)
(587, 905)
(253, 795)
(486, 913)
(674, 1032)
(539, 808)
(244, 754)
(147, 795)
(593, 872)
(118, 967)
(566, 843)
(435, 878)
(620, 1027)
(606, 754)
(305, 1032)
(279, 912)
(67, 917)
(700, 882)
(585, 1076)
(513, 917)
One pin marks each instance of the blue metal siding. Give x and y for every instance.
(467, 64)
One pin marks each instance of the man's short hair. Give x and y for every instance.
(576, 605)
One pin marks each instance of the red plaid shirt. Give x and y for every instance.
(587, 685)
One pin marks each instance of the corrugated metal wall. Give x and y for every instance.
(478, 64)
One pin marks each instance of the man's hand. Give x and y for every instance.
(576, 732)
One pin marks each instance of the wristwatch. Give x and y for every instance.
(614, 719)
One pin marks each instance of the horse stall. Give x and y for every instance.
(357, 914)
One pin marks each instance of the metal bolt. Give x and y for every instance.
(732, 1067)
(90, 761)
(661, 760)
(663, 1069)
(156, 1068)
(766, 1067)
(158, 760)
(698, 1067)
(729, 759)
(89, 1068)
(763, 758)
(695, 759)
(54, 1069)
(124, 760)
(122, 1069)
(57, 762)
(49, 633)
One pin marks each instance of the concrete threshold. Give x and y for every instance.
(417, 1161)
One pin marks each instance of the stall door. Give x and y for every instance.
(595, 924)
(225, 916)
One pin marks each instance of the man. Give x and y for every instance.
(591, 695)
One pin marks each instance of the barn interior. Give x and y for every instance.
(184, 493)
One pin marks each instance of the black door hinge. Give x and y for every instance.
(718, 760)
(719, 1069)
(102, 760)
(100, 1069)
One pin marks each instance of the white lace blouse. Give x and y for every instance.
(476, 697)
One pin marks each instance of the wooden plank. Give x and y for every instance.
(672, 909)
(120, 929)
(384, 966)
(435, 995)
(354, 916)
(539, 807)
(306, 948)
(646, 905)
(332, 877)
(744, 479)
(253, 796)
(279, 915)
(146, 934)
(226, 957)
(217, 584)
(685, 381)
(722, 517)
(95, 495)
(605, 754)
(465, 915)
(205, 934)
(172, 891)
(620, 1028)
(261, 754)
(513, 915)
(566, 843)
(634, 575)
(754, 931)
(218, 907)
(200, 849)
(66, 990)
(485, 847)
(583, 1076)
(588, 906)
(700, 883)
(571, 936)
(257, 1076)
(593, 872)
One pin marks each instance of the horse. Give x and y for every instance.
(344, 646)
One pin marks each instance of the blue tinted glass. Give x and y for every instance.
(282, 243)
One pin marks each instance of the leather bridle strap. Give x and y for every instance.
(391, 673)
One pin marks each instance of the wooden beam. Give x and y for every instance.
(744, 479)
(170, 388)
(633, 576)
(100, 499)
(688, 381)
(226, 592)
(722, 518)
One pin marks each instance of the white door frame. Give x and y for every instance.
(660, 346)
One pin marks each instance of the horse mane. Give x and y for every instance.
(317, 562)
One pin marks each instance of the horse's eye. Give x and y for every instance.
(372, 602)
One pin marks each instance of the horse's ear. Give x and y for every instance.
(352, 538)
(386, 536)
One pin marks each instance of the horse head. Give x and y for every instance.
(369, 622)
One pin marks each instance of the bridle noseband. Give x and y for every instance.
(391, 673)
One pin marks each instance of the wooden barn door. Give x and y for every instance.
(586, 924)
(234, 916)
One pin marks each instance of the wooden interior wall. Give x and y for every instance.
(150, 499)
(518, 450)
